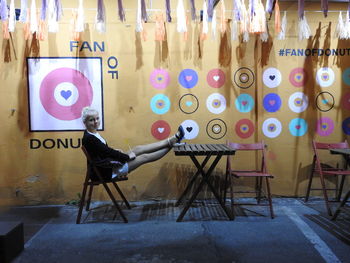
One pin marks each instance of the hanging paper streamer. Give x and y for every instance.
(4, 17)
(210, 9)
(234, 30)
(324, 7)
(181, 17)
(237, 6)
(80, 18)
(43, 9)
(121, 12)
(282, 33)
(12, 17)
(257, 17)
(160, 28)
(42, 23)
(340, 31)
(54, 15)
(222, 17)
(277, 17)
(143, 11)
(100, 22)
(205, 26)
(193, 10)
(244, 22)
(304, 29)
(23, 14)
(301, 9)
(139, 23)
(26, 28)
(3, 10)
(139, 26)
(33, 18)
(168, 10)
(270, 6)
(347, 26)
(213, 26)
(264, 36)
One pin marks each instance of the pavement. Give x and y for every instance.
(300, 232)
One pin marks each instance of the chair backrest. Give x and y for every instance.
(325, 146)
(90, 163)
(256, 147)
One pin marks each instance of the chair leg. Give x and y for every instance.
(341, 187)
(269, 197)
(225, 188)
(258, 188)
(310, 180)
(82, 201)
(115, 202)
(122, 195)
(325, 195)
(231, 196)
(88, 201)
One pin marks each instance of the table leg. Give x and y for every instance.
(342, 204)
(206, 177)
(192, 181)
(204, 180)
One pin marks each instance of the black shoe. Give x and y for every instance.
(180, 134)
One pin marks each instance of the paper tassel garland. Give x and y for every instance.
(181, 17)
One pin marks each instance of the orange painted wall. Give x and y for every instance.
(54, 176)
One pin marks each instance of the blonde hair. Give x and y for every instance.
(88, 112)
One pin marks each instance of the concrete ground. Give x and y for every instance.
(300, 232)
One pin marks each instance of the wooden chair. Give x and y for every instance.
(323, 169)
(91, 183)
(257, 173)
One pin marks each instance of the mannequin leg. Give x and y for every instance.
(147, 158)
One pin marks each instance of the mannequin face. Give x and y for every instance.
(92, 123)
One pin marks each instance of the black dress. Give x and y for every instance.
(102, 155)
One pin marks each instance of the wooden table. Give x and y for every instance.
(341, 207)
(207, 150)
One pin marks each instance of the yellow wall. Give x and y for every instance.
(48, 176)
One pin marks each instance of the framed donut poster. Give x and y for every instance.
(59, 88)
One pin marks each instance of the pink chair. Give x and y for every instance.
(324, 170)
(258, 149)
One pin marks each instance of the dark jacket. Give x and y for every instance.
(102, 155)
